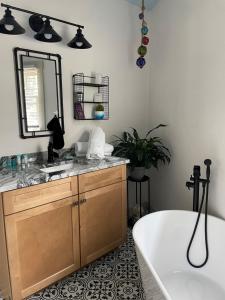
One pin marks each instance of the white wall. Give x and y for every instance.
(187, 91)
(113, 29)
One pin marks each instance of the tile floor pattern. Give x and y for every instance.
(115, 276)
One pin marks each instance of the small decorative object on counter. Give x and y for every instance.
(142, 50)
(99, 112)
(14, 162)
(24, 161)
(18, 159)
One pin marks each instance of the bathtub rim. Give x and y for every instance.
(146, 260)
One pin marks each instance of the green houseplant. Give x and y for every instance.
(143, 153)
(99, 107)
(99, 112)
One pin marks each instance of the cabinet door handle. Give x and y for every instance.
(82, 201)
(75, 203)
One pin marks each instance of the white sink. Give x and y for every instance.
(59, 168)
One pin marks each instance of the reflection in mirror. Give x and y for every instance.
(40, 92)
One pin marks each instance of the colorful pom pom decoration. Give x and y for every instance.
(141, 16)
(142, 50)
(140, 62)
(145, 40)
(144, 30)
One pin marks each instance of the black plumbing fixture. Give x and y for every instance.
(50, 153)
(195, 181)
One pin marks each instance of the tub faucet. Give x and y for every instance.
(195, 181)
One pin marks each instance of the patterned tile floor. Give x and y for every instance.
(115, 276)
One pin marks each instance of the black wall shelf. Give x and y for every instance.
(91, 102)
(91, 84)
(84, 90)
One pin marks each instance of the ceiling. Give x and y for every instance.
(149, 4)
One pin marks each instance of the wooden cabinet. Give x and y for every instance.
(50, 230)
(43, 245)
(102, 221)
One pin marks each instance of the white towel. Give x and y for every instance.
(108, 153)
(82, 147)
(83, 154)
(96, 144)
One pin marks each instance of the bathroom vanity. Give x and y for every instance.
(52, 229)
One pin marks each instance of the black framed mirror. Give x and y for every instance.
(39, 89)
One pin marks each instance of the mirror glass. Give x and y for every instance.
(40, 92)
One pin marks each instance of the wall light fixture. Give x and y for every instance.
(40, 23)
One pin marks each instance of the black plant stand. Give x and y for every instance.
(145, 179)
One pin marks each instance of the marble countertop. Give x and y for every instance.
(32, 174)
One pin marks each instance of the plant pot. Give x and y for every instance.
(138, 173)
(99, 115)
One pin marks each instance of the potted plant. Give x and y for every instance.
(143, 153)
(99, 112)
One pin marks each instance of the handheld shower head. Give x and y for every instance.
(208, 163)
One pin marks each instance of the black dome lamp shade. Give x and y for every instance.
(8, 24)
(79, 41)
(47, 34)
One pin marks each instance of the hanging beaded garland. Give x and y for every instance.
(142, 50)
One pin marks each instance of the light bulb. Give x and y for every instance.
(9, 27)
(48, 36)
(79, 44)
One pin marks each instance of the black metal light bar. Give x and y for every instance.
(41, 15)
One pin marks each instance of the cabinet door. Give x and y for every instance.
(43, 245)
(102, 220)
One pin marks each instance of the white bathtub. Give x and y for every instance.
(161, 241)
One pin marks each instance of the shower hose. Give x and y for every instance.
(205, 192)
